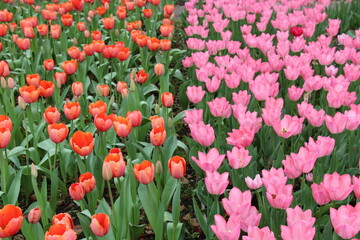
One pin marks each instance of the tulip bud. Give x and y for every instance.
(159, 69)
(42, 50)
(75, 41)
(34, 215)
(34, 171)
(21, 103)
(117, 33)
(132, 85)
(87, 33)
(158, 167)
(133, 74)
(157, 109)
(3, 82)
(307, 96)
(106, 171)
(11, 83)
(170, 123)
(309, 177)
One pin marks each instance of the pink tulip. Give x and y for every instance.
(193, 116)
(220, 107)
(216, 183)
(195, 94)
(295, 93)
(238, 157)
(229, 230)
(288, 126)
(203, 134)
(255, 233)
(279, 196)
(356, 182)
(254, 183)
(298, 231)
(337, 123)
(209, 162)
(242, 97)
(346, 220)
(295, 215)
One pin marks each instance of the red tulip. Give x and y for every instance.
(135, 118)
(116, 163)
(46, 88)
(108, 23)
(77, 88)
(33, 79)
(49, 64)
(63, 218)
(34, 215)
(167, 99)
(103, 122)
(51, 115)
(5, 122)
(87, 180)
(122, 126)
(60, 231)
(77, 191)
(23, 43)
(29, 93)
(72, 110)
(165, 44)
(141, 76)
(70, 67)
(157, 136)
(296, 31)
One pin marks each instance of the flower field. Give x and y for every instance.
(235, 120)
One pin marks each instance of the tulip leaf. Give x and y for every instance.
(13, 195)
(168, 191)
(84, 218)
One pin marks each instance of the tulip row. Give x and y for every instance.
(110, 144)
(289, 66)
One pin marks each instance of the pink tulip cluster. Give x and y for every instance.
(299, 224)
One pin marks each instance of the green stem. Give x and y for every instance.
(110, 195)
(56, 149)
(4, 170)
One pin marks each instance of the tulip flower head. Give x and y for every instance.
(144, 172)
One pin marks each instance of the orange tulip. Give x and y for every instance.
(177, 166)
(82, 143)
(77, 88)
(70, 67)
(99, 46)
(5, 137)
(147, 13)
(81, 26)
(144, 172)
(46, 88)
(42, 29)
(159, 69)
(121, 12)
(51, 115)
(103, 90)
(166, 30)
(49, 15)
(10, 220)
(141, 40)
(141, 76)
(110, 51)
(122, 126)
(23, 43)
(3, 29)
(87, 180)
(76, 191)
(157, 136)
(60, 231)
(168, 10)
(103, 122)
(33, 79)
(78, 4)
(28, 32)
(167, 99)
(58, 132)
(29, 93)
(63, 218)
(72, 110)
(101, 10)
(165, 44)
(123, 53)
(100, 224)
(97, 107)
(67, 20)
(108, 23)
(74, 52)
(49, 64)
(5, 122)
(55, 31)
(157, 121)
(89, 49)
(96, 35)
(116, 163)
(60, 77)
(153, 43)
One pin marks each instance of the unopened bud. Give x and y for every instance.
(11, 83)
(87, 33)
(307, 96)
(58, 83)
(309, 177)
(21, 103)
(157, 109)
(106, 171)
(170, 123)
(158, 167)
(75, 41)
(132, 85)
(159, 69)
(117, 33)
(34, 171)
(3, 82)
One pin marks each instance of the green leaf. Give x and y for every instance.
(168, 191)
(176, 205)
(15, 188)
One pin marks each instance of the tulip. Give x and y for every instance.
(29, 93)
(255, 233)
(58, 132)
(60, 231)
(238, 157)
(23, 43)
(72, 110)
(34, 215)
(141, 76)
(157, 121)
(116, 163)
(165, 44)
(11, 220)
(209, 162)
(216, 183)
(122, 126)
(144, 172)
(229, 230)
(108, 23)
(296, 31)
(97, 107)
(49, 64)
(254, 183)
(157, 136)
(69, 67)
(33, 79)
(100, 224)
(60, 77)
(5, 122)
(74, 52)
(103, 90)
(77, 88)
(77, 191)
(106, 171)
(87, 180)
(177, 166)
(103, 122)
(135, 118)
(82, 143)
(46, 88)
(345, 220)
(159, 69)
(167, 99)
(147, 13)
(195, 94)
(63, 218)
